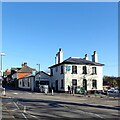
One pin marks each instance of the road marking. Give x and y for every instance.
(15, 93)
(24, 116)
(19, 109)
(16, 105)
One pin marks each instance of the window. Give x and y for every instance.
(28, 84)
(62, 84)
(94, 84)
(74, 69)
(56, 68)
(51, 71)
(94, 71)
(61, 69)
(74, 82)
(23, 84)
(84, 70)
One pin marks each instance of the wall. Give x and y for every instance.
(89, 77)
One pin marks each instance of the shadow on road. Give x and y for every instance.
(56, 103)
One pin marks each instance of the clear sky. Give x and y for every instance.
(33, 33)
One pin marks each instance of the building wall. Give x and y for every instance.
(57, 76)
(67, 77)
(24, 83)
(80, 76)
(42, 77)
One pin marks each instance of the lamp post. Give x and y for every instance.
(39, 75)
(1, 55)
(1, 73)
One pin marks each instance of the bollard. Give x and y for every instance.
(24, 109)
(52, 92)
(3, 93)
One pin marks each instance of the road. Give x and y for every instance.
(27, 105)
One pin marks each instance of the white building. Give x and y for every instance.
(76, 72)
(34, 81)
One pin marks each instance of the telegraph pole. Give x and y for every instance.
(39, 75)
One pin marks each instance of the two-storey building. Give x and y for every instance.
(76, 72)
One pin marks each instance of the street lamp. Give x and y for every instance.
(1, 55)
(39, 75)
(1, 75)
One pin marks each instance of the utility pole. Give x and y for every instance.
(1, 74)
(39, 75)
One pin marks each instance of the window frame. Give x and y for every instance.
(84, 70)
(74, 69)
(94, 84)
(94, 70)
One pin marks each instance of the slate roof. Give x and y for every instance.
(26, 69)
(80, 61)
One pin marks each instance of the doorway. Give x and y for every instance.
(85, 84)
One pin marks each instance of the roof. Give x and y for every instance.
(26, 69)
(6, 73)
(15, 69)
(42, 72)
(76, 60)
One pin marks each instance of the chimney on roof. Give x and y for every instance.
(56, 59)
(59, 57)
(95, 57)
(24, 64)
(86, 57)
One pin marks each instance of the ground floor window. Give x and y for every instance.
(62, 84)
(94, 84)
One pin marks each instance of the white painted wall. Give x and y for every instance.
(57, 76)
(67, 77)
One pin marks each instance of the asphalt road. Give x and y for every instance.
(27, 105)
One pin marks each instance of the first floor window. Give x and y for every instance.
(62, 84)
(51, 71)
(74, 69)
(94, 71)
(61, 69)
(84, 70)
(94, 84)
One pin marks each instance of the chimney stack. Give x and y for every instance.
(86, 57)
(95, 57)
(24, 64)
(56, 59)
(59, 57)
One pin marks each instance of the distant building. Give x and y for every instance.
(76, 72)
(13, 75)
(33, 82)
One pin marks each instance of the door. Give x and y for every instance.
(74, 85)
(85, 84)
(56, 85)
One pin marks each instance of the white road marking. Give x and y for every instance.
(15, 93)
(16, 105)
(18, 109)
(24, 116)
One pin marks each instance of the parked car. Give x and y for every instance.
(113, 92)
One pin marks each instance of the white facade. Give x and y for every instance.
(32, 82)
(27, 83)
(91, 80)
(67, 77)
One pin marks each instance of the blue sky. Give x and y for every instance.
(33, 33)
